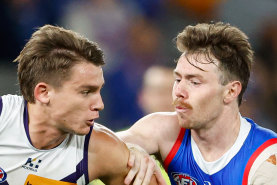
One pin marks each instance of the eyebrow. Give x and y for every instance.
(188, 75)
(91, 87)
(176, 73)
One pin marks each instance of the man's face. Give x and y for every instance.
(197, 94)
(74, 106)
(156, 90)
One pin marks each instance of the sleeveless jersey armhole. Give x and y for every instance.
(174, 149)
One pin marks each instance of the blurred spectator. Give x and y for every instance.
(123, 85)
(202, 10)
(102, 21)
(155, 94)
(257, 99)
(151, 9)
(21, 17)
(262, 95)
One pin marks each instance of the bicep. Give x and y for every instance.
(108, 157)
(116, 165)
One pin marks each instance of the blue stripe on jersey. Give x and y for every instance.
(26, 121)
(76, 175)
(85, 159)
(4, 183)
(82, 167)
(1, 105)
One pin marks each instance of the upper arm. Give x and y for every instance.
(150, 132)
(144, 133)
(108, 157)
(266, 172)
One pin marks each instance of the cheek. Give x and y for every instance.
(68, 105)
(210, 104)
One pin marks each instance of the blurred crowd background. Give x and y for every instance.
(137, 37)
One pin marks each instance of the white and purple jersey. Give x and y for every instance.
(186, 166)
(22, 163)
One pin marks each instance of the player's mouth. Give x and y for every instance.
(182, 109)
(90, 122)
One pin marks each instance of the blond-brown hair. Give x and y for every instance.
(49, 56)
(226, 43)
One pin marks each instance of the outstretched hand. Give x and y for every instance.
(143, 166)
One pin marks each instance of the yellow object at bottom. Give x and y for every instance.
(99, 182)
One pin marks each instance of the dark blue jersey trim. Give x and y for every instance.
(85, 159)
(26, 121)
(82, 167)
(1, 105)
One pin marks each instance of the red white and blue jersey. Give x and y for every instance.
(21, 163)
(186, 166)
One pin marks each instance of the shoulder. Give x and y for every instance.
(103, 134)
(11, 98)
(107, 155)
(103, 141)
(10, 105)
(260, 137)
(9, 101)
(260, 131)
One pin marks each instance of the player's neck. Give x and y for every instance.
(42, 133)
(215, 141)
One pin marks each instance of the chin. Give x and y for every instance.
(185, 123)
(186, 126)
(82, 132)
(183, 120)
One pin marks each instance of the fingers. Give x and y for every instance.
(131, 160)
(142, 171)
(134, 169)
(159, 176)
(138, 170)
(149, 171)
(153, 168)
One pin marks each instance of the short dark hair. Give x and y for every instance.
(226, 43)
(49, 56)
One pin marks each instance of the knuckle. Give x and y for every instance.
(140, 177)
(152, 166)
(146, 159)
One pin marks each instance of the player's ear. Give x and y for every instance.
(232, 91)
(41, 92)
